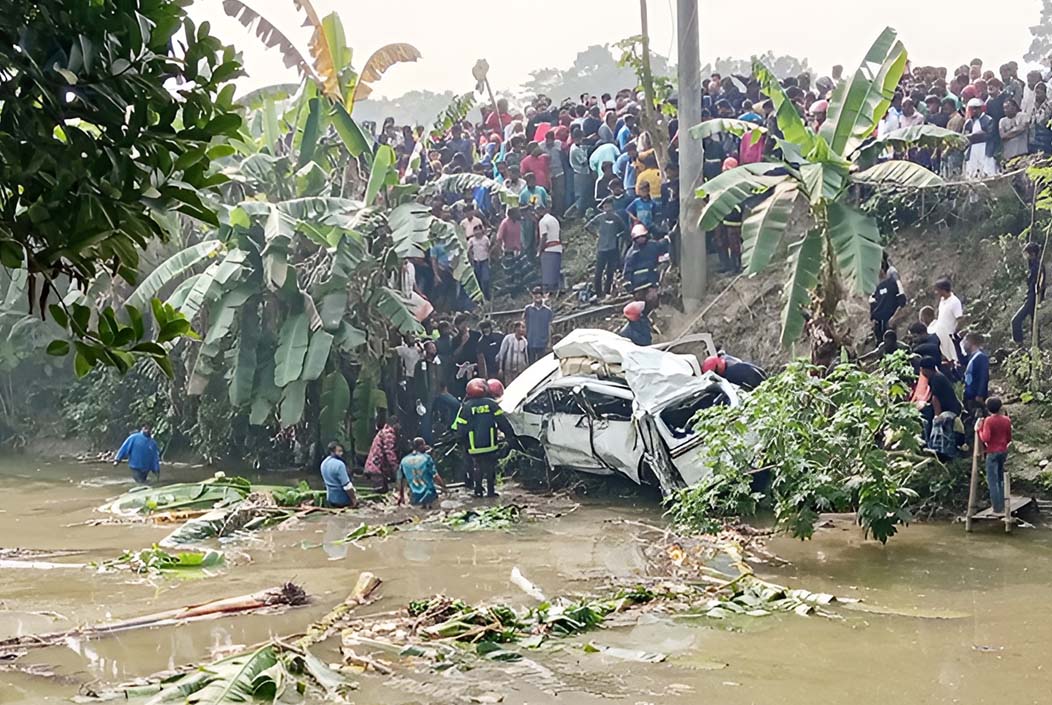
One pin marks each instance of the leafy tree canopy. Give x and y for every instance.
(108, 114)
(1041, 44)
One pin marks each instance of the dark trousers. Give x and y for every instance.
(484, 468)
(1019, 320)
(606, 262)
(879, 328)
(535, 354)
(558, 193)
(584, 192)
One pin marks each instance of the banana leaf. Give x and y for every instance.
(190, 495)
(172, 268)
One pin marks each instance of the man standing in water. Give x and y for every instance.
(339, 490)
(140, 450)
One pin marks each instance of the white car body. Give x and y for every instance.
(600, 404)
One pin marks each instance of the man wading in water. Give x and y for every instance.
(140, 450)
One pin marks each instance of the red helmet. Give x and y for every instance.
(716, 364)
(476, 388)
(634, 310)
(729, 163)
(495, 388)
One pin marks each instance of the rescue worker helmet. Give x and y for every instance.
(714, 363)
(476, 388)
(634, 310)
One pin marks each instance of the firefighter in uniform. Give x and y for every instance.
(476, 426)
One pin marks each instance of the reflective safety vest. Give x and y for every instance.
(477, 423)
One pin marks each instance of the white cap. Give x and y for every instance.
(975, 103)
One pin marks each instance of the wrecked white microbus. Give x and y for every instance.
(603, 405)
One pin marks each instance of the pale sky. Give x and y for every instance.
(549, 33)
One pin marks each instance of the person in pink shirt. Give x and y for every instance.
(539, 164)
(509, 233)
(497, 120)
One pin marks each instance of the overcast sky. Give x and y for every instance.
(549, 33)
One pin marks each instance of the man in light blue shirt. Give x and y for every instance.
(339, 490)
(625, 135)
(417, 470)
(140, 450)
(601, 154)
(625, 167)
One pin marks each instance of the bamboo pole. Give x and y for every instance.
(1008, 501)
(973, 485)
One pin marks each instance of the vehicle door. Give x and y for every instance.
(614, 438)
(567, 433)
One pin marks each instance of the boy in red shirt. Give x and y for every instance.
(995, 431)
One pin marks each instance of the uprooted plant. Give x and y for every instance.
(846, 441)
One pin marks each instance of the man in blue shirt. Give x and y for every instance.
(140, 450)
(625, 167)
(417, 470)
(643, 208)
(625, 134)
(339, 490)
(976, 373)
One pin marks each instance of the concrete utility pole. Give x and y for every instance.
(693, 267)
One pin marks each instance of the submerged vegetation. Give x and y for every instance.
(803, 444)
(155, 561)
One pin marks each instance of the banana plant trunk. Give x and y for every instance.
(824, 338)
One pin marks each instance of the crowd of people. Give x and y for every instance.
(589, 159)
(946, 356)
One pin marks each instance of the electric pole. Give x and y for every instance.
(693, 267)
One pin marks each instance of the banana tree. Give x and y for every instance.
(297, 294)
(838, 248)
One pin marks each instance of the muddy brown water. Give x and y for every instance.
(971, 622)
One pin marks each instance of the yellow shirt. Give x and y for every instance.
(652, 177)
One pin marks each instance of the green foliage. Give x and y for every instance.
(849, 440)
(299, 495)
(106, 406)
(455, 112)
(156, 561)
(267, 674)
(631, 49)
(499, 517)
(95, 147)
(1021, 367)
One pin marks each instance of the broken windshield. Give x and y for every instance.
(677, 417)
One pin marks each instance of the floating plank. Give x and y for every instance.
(1017, 505)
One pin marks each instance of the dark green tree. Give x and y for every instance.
(1041, 44)
(109, 112)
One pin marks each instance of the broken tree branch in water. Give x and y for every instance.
(287, 595)
(260, 673)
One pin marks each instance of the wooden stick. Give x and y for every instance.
(973, 485)
(1008, 502)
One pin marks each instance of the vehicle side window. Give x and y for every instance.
(541, 404)
(565, 402)
(609, 407)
